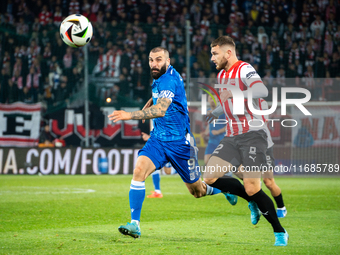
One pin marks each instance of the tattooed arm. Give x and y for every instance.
(155, 111)
(147, 105)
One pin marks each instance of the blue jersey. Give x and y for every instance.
(216, 138)
(176, 123)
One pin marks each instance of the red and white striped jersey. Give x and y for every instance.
(244, 76)
(108, 62)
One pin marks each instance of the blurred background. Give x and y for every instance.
(44, 94)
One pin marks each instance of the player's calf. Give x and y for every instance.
(272, 186)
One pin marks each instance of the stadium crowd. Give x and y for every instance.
(280, 38)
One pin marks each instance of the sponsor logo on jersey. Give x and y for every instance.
(249, 75)
(166, 94)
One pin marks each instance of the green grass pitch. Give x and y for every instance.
(81, 214)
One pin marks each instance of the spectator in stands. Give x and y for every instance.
(278, 26)
(329, 45)
(291, 72)
(124, 88)
(68, 60)
(317, 24)
(44, 16)
(22, 28)
(281, 77)
(310, 56)
(203, 58)
(12, 92)
(61, 93)
(25, 96)
(327, 87)
(45, 136)
(34, 48)
(18, 81)
(28, 16)
(57, 16)
(3, 85)
(254, 14)
(300, 18)
(32, 84)
(140, 85)
(223, 16)
(281, 13)
(73, 7)
(299, 68)
(309, 80)
(268, 79)
(76, 79)
(260, 34)
(44, 38)
(47, 94)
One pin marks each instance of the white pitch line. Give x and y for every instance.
(48, 191)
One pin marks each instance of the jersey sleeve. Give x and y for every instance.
(167, 89)
(249, 76)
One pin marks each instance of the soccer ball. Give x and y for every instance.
(76, 30)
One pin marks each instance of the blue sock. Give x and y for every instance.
(136, 197)
(212, 191)
(156, 178)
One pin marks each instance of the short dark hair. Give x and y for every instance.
(223, 40)
(159, 48)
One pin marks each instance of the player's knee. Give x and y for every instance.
(251, 190)
(268, 182)
(139, 173)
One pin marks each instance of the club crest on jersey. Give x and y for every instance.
(232, 82)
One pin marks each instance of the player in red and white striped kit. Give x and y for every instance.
(268, 175)
(245, 142)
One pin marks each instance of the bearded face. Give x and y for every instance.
(221, 64)
(156, 73)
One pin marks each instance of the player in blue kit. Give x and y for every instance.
(170, 137)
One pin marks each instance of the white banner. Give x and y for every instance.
(19, 124)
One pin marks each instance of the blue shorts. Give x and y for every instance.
(210, 148)
(180, 154)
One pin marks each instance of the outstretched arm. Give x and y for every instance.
(147, 105)
(155, 111)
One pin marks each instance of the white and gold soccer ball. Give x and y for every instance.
(76, 30)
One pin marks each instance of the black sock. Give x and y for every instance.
(279, 201)
(231, 185)
(267, 208)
